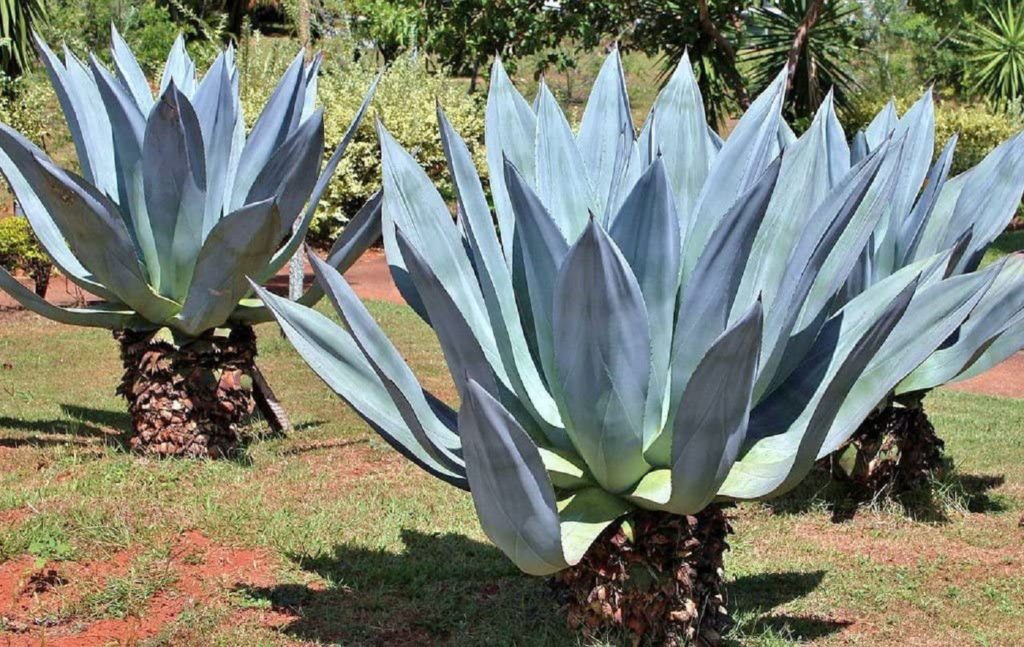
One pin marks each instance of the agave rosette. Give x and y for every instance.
(175, 205)
(933, 211)
(651, 325)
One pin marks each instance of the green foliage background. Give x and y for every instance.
(437, 49)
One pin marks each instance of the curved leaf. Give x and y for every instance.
(646, 231)
(606, 126)
(112, 316)
(334, 356)
(18, 163)
(512, 493)
(510, 129)
(439, 440)
(239, 245)
(496, 285)
(174, 179)
(562, 182)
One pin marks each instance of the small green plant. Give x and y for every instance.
(48, 547)
(996, 51)
(127, 595)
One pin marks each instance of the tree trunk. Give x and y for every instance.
(800, 38)
(188, 400)
(40, 271)
(893, 452)
(475, 73)
(268, 404)
(734, 78)
(657, 576)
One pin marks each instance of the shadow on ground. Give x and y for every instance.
(955, 492)
(448, 589)
(754, 597)
(80, 425)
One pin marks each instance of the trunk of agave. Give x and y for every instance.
(657, 576)
(893, 452)
(39, 271)
(188, 400)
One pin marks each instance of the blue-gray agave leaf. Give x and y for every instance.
(683, 302)
(963, 213)
(168, 217)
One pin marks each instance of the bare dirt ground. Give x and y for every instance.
(197, 569)
(1006, 380)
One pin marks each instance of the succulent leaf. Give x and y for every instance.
(174, 180)
(601, 338)
(510, 128)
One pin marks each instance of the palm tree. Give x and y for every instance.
(16, 20)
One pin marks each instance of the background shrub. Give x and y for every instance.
(29, 105)
(19, 250)
(405, 103)
(981, 128)
(147, 25)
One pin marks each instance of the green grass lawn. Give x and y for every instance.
(329, 536)
(1007, 243)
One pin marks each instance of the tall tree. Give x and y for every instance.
(814, 40)
(711, 31)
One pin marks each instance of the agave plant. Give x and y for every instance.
(173, 207)
(648, 333)
(898, 448)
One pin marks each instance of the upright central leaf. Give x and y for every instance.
(602, 358)
(174, 177)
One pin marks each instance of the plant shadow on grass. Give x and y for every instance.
(952, 493)
(89, 426)
(449, 589)
(82, 425)
(755, 596)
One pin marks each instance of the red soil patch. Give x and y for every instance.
(1006, 379)
(202, 570)
(371, 278)
(13, 516)
(892, 547)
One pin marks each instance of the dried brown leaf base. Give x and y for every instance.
(188, 400)
(895, 451)
(657, 576)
